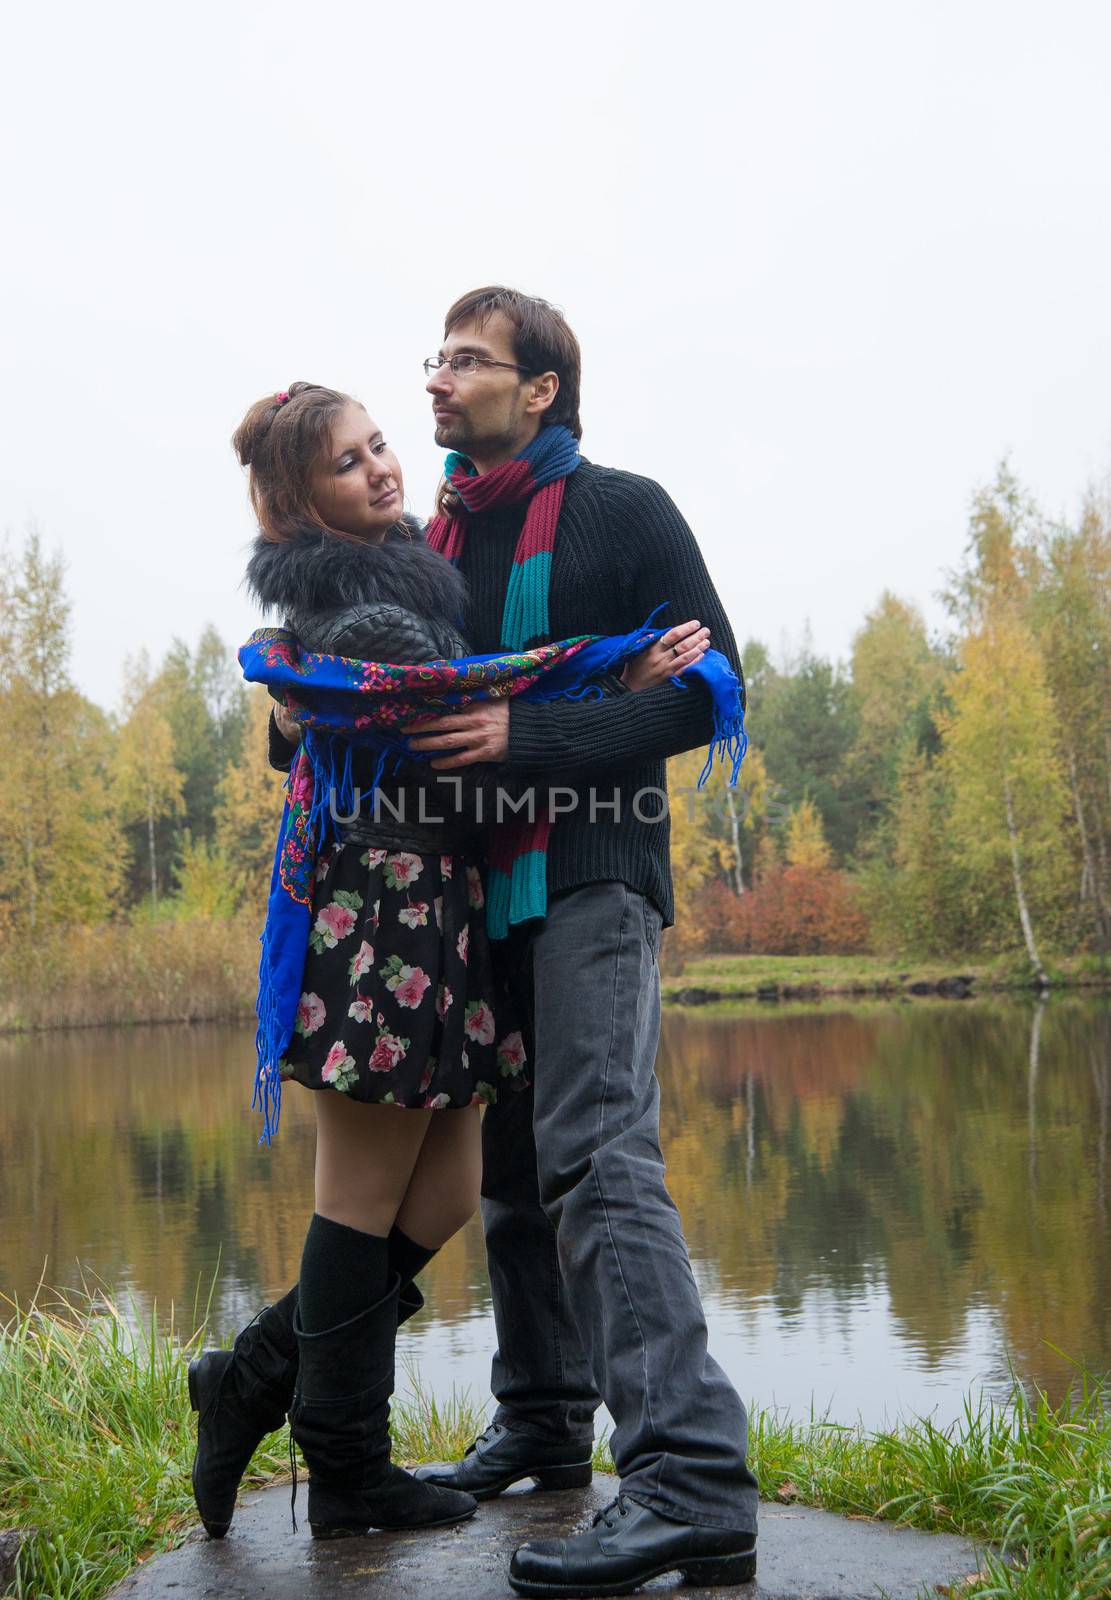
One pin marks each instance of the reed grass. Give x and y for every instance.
(187, 969)
(96, 1440)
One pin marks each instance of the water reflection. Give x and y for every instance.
(885, 1205)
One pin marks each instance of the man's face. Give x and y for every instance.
(485, 412)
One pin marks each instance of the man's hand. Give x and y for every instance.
(479, 732)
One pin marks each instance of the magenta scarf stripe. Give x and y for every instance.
(482, 494)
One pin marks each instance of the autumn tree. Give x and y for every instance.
(896, 677)
(1072, 615)
(806, 844)
(1009, 794)
(915, 891)
(61, 853)
(202, 696)
(146, 783)
(805, 727)
(249, 802)
(714, 829)
(206, 884)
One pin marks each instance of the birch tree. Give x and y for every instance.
(1009, 807)
(1072, 612)
(61, 854)
(146, 782)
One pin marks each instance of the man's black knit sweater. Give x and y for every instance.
(621, 549)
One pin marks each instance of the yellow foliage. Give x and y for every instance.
(249, 801)
(1009, 794)
(61, 854)
(147, 784)
(207, 885)
(806, 840)
(698, 853)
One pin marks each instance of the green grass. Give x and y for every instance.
(740, 977)
(1031, 1478)
(96, 1439)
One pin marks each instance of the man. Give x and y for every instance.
(592, 1285)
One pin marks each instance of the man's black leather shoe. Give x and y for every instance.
(627, 1545)
(501, 1457)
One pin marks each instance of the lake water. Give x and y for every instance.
(887, 1205)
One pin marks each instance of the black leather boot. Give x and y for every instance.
(409, 1301)
(501, 1457)
(240, 1395)
(340, 1418)
(244, 1393)
(628, 1545)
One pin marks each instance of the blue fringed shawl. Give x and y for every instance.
(340, 704)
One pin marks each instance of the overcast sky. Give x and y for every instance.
(828, 263)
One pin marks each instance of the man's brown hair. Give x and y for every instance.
(542, 342)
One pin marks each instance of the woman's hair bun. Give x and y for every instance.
(280, 439)
(256, 425)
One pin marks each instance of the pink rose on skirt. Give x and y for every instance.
(511, 1054)
(479, 1022)
(310, 1014)
(410, 991)
(388, 1052)
(335, 920)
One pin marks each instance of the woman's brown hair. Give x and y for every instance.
(279, 440)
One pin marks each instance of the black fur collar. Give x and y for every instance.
(315, 572)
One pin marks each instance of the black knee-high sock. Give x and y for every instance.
(407, 1257)
(343, 1272)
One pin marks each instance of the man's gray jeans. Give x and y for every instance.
(592, 1285)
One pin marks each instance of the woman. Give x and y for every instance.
(399, 1006)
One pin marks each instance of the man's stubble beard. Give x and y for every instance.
(449, 437)
(457, 436)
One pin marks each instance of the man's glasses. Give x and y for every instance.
(462, 365)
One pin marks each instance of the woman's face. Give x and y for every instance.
(356, 481)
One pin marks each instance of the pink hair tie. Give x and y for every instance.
(283, 397)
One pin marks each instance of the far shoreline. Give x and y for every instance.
(777, 980)
(761, 984)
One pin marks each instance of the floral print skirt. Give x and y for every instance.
(399, 1003)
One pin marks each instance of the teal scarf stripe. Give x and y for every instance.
(526, 601)
(517, 896)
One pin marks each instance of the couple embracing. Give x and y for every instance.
(464, 924)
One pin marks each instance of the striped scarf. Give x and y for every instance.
(517, 884)
(537, 475)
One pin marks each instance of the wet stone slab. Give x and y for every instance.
(804, 1555)
(11, 1541)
